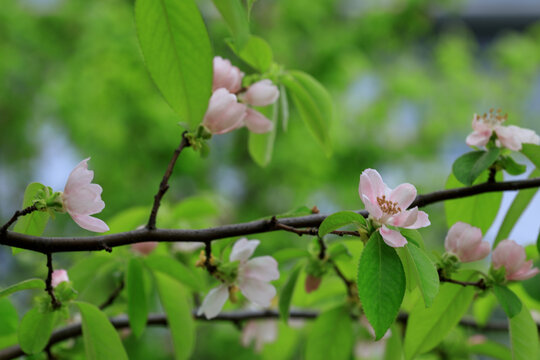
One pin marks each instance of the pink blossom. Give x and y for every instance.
(253, 279)
(389, 207)
(465, 241)
(224, 113)
(226, 75)
(262, 331)
(82, 199)
(511, 137)
(59, 276)
(144, 248)
(512, 256)
(262, 93)
(312, 283)
(256, 122)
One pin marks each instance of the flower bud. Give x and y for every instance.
(256, 122)
(512, 256)
(59, 276)
(262, 93)
(144, 248)
(312, 283)
(226, 75)
(224, 113)
(465, 241)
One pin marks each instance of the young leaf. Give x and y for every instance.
(236, 18)
(23, 285)
(137, 306)
(420, 269)
(511, 166)
(101, 341)
(469, 166)
(394, 345)
(178, 54)
(413, 236)
(340, 219)
(287, 293)
(381, 284)
(532, 152)
(35, 330)
(508, 300)
(427, 327)
(10, 319)
(492, 350)
(35, 222)
(174, 299)
(331, 336)
(523, 336)
(338, 251)
(174, 269)
(256, 53)
(314, 105)
(261, 146)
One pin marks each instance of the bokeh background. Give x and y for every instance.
(406, 77)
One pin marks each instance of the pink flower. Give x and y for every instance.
(144, 248)
(59, 276)
(389, 207)
(511, 137)
(226, 75)
(262, 331)
(262, 93)
(82, 199)
(224, 113)
(512, 256)
(253, 279)
(256, 122)
(465, 241)
(312, 283)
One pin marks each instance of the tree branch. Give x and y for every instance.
(48, 283)
(164, 185)
(96, 243)
(15, 216)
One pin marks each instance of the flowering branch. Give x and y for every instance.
(48, 283)
(164, 185)
(15, 216)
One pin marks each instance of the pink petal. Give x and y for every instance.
(510, 255)
(249, 332)
(371, 185)
(90, 223)
(214, 301)
(262, 93)
(256, 122)
(243, 249)
(421, 221)
(525, 272)
(264, 268)
(392, 238)
(405, 218)
(509, 137)
(259, 292)
(478, 139)
(144, 248)
(373, 209)
(224, 113)
(85, 200)
(226, 75)
(478, 253)
(404, 195)
(79, 177)
(59, 276)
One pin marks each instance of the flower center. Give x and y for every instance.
(387, 206)
(493, 118)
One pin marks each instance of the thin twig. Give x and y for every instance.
(351, 286)
(479, 284)
(15, 216)
(114, 295)
(164, 185)
(48, 283)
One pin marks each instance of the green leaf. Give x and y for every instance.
(394, 345)
(421, 270)
(137, 305)
(338, 251)
(289, 254)
(287, 293)
(532, 152)
(491, 349)
(261, 146)
(508, 300)
(331, 336)
(483, 307)
(314, 105)
(10, 319)
(35, 330)
(381, 284)
(174, 299)
(478, 210)
(511, 166)
(284, 108)
(23, 285)
(35, 222)
(427, 327)
(413, 236)
(523, 336)
(340, 219)
(520, 203)
(178, 54)
(256, 53)
(236, 18)
(174, 269)
(101, 341)
(469, 166)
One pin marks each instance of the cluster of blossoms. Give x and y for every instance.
(511, 137)
(225, 113)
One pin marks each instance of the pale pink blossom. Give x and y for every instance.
(226, 75)
(224, 113)
(59, 276)
(262, 93)
(144, 248)
(312, 283)
(256, 122)
(82, 199)
(389, 207)
(511, 137)
(477, 339)
(465, 241)
(512, 256)
(260, 331)
(253, 279)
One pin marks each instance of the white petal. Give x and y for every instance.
(264, 268)
(214, 301)
(243, 249)
(260, 292)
